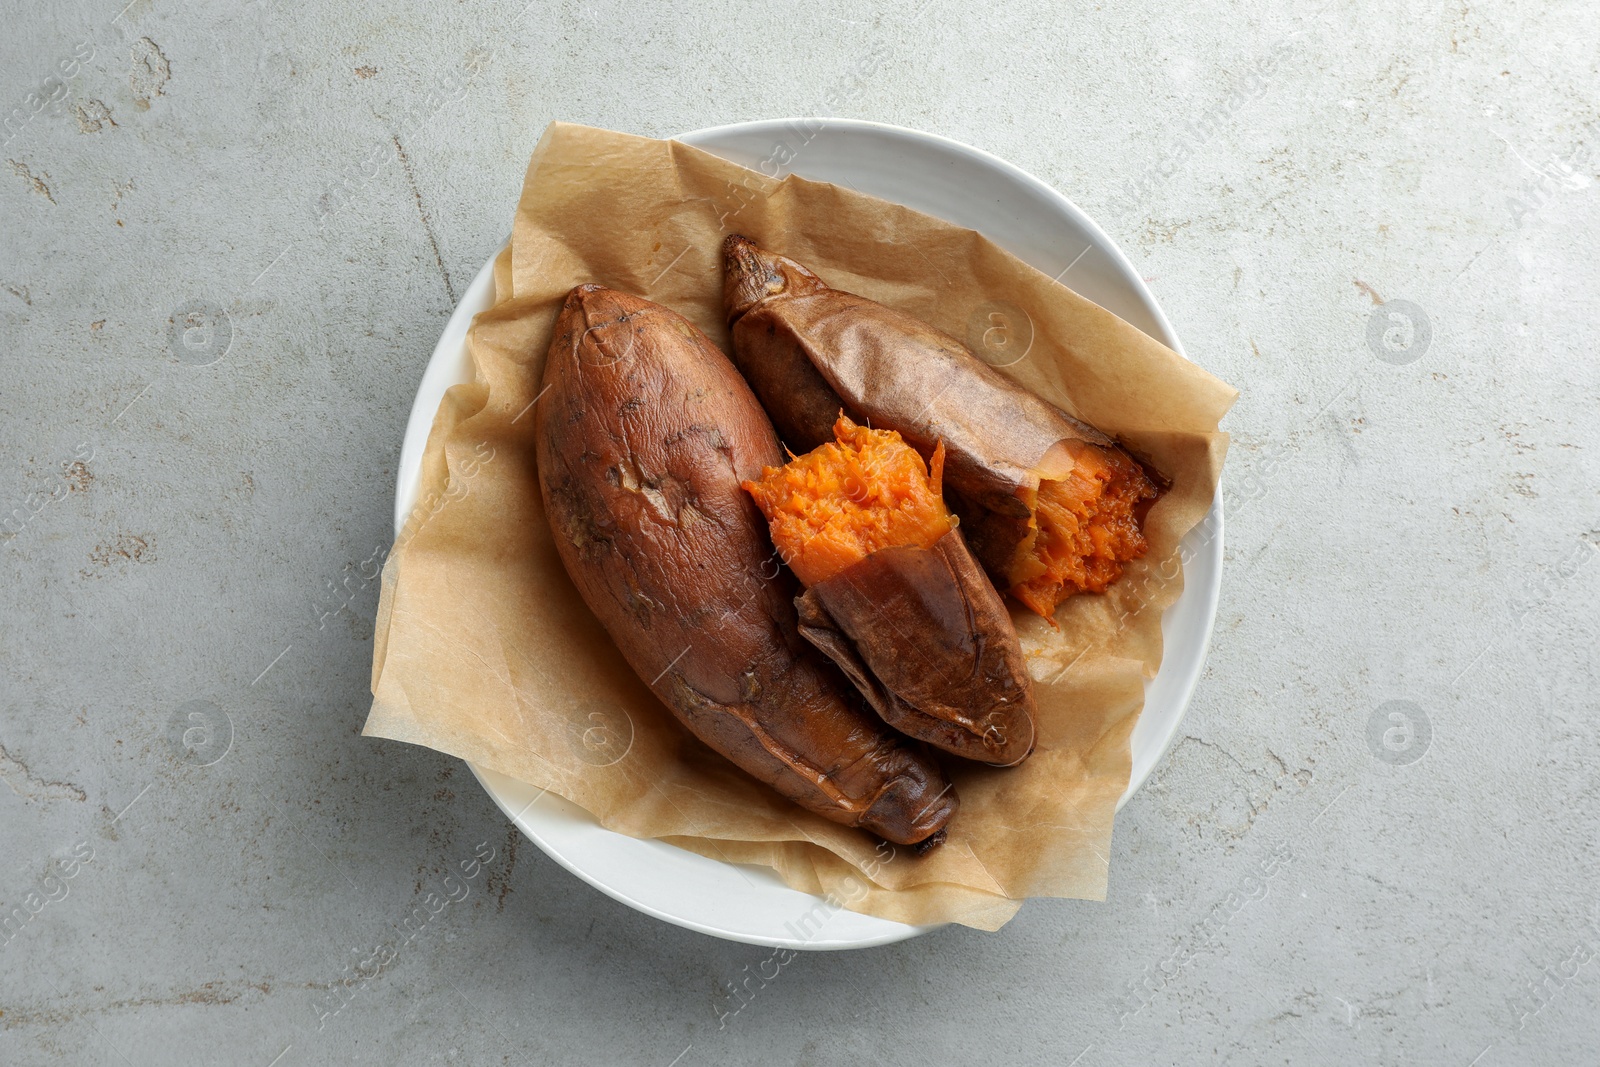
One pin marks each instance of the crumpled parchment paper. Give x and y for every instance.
(484, 650)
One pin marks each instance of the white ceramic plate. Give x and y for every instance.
(1023, 215)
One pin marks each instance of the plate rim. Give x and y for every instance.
(449, 354)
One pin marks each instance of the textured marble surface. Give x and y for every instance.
(1377, 220)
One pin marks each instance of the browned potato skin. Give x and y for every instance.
(927, 640)
(644, 434)
(801, 403)
(809, 349)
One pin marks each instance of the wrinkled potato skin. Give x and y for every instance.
(824, 349)
(766, 349)
(644, 434)
(927, 640)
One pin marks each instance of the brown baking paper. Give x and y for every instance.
(484, 649)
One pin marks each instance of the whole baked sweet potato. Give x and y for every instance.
(894, 596)
(645, 431)
(1051, 506)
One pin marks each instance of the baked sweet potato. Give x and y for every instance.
(894, 597)
(1052, 507)
(644, 433)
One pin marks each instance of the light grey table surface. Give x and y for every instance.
(1378, 221)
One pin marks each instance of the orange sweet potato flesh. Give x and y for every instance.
(644, 432)
(844, 500)
(1084, 527)
(894, 595)
(1051, 507)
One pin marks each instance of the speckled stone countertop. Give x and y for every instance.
(1375, 840)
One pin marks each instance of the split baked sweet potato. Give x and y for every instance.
(645, 431)
(894, 596)
(1052, 507)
